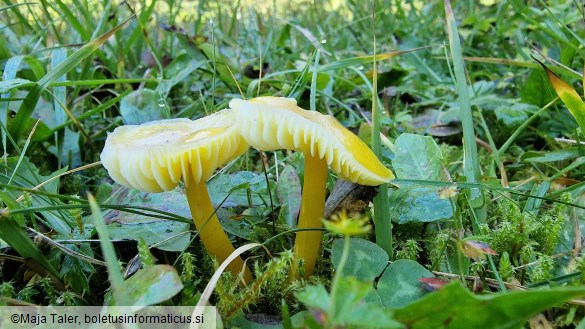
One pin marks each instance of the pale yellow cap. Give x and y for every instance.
(272, 123)
(154, 156)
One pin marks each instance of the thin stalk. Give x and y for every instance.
(471, 163)
(381, 207)
(458, 224)
(338, 274)
(113, 265)
(212, 235)
(307, 243)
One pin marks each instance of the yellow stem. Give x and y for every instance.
(211, 233)
(307, 243)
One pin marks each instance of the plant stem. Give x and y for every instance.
(307, 243)
(339, 272)
(471, 162)
(113, 265)
(212, 235)
(382, 219)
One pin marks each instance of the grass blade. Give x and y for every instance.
(9, 74)
(471, 164)
(32, 98)
(17, 238)
(114, 269)
(381, 206)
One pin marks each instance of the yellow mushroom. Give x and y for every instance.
(271, 123)
(154, 156)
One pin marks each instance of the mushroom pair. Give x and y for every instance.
(155, 156)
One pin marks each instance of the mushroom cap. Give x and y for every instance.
(271, 123)
(154, 156)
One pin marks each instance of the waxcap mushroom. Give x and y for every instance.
(155, 156)
(272, 123)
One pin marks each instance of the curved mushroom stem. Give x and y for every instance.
(214, 239)
(307, 243)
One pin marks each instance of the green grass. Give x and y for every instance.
(504, 165)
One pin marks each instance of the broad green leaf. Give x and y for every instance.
(74, 270)
(175, 234)
(531, 91)
(568, 95)
(143, 105)
(124, 225)
(399, 285)
(177, 72)
(314, 297)
(453, 306)
(70, 151)
(418, 204)
(240, 188)
(350, 308)
(347, 307)
(417, 157)
(152, 285)
(42, 131)
(366, 260)
(514, 115)
(288, 189)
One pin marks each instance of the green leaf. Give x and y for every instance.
(142, 106)
(124, 225)
(235, 187)
(351, 309)
(568, 95)
(288, 189)
(154, 231)
(347, 306)
(514, 115)
(471, 168)
(399, 285)
(366, 260)
(532, 90)
(8, 85)
(418, 204)
(70, 151)
(112, 263)
(314, 297)
(177, 71)
(152, 285)
(551, 156)
(417, 157)
(453, 306)
(13, 233)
